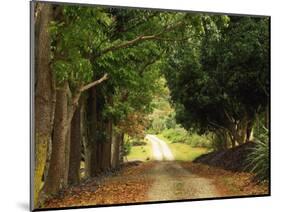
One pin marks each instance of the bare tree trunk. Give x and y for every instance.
(249, 130)
(55, 178)
(103, 147)
(121, 148)
(108, 145)
(232, 140)
(43, 95)
(85, 138)
(115, 150)
(67, 157)
(98, 158)
(92, 145)
(239, 131)
(75, 149)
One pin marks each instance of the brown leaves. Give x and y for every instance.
(132, 183)
(128, 186)
(229, 183)
(134, 125)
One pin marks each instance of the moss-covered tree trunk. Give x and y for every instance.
(43, 94)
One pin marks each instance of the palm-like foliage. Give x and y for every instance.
(258, 159)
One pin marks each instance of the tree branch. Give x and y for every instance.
(92, 84)
(128, 43)
(141, 38)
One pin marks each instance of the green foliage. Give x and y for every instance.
(258, 159)
(127, 147)
(177, 135)
(221, 77)
(184, 151)
(180, 135)
(196, 140)
(219, 141)
(158, 125)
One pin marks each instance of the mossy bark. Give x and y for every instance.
(44, 95)
(55, 179)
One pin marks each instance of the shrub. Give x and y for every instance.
(180, 135)
(138, 142)
(196, 140)
(258, 159)
(219, 141)
(158, 125)
(175, 135)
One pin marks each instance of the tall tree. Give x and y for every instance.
(44, 93)
(75, 148)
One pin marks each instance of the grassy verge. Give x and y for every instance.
(182, 151)
(142, 152)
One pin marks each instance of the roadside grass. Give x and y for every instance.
(184, 152)
(142, 152)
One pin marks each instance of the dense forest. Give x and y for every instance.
(99, 72)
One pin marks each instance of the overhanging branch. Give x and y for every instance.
(141, 38)
(92, 84)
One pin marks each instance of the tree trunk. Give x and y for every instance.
(67, 157)
(55, 178)
(108, 145)
(75, 149)
(92, 145)
(121, 148)
(115, 150)
(103, 148)
(232, 140)
(85, 138)
(43, 95)
(249, 130)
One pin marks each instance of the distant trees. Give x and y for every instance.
(221, 80)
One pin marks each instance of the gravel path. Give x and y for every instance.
(160, 149)
(172, 182)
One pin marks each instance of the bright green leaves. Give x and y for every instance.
(62, 70)
(77, 71)
(76, 36)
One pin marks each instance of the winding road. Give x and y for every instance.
(171, 181)
(160, 149)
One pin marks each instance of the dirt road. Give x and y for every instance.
(172, 182)
(157, 181)
(160, 149)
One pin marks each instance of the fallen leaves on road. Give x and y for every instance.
(227, 182)
(115, 189)
(132, 183)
